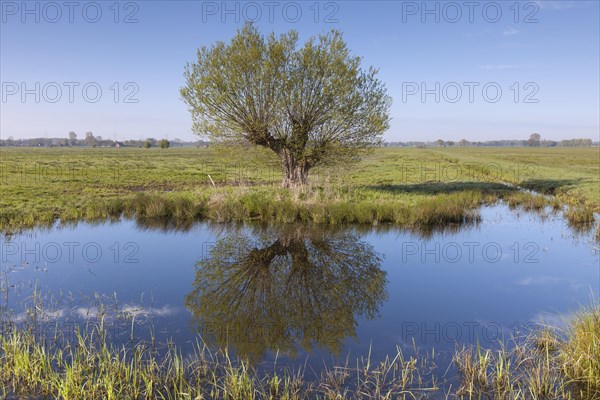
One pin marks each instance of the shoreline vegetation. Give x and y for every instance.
(421, 189)
(547, 363)
(409, 188)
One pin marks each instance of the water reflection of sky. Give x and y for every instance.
(480, 284)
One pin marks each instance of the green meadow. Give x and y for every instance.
(408, 187)
(405, 187)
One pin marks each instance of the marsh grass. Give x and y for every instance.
(548, 363)
(579, 215)
(580, 352)
(274, 205)
(42, 186)
(91, 368)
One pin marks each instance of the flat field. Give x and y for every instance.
(405, 186)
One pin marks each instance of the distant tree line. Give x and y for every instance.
(533, 141)
(89, 140)
(577, 143)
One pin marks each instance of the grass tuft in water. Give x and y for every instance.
(90, 367)
(546, 364)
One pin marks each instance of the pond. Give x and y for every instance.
(304, 295)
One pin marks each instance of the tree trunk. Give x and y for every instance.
(295, 173)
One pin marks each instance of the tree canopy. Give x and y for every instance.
(286, 287)
(312, 105)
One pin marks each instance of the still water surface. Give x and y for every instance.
(303, 294)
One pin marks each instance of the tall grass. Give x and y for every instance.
(547, 364)
(273, 205)
(42, 186)
(91, 368)
(580, 353)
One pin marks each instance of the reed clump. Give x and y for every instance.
(92, 368)
(580, 352)
(547, 364)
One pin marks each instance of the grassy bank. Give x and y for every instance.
(549, 364)
(408, 187)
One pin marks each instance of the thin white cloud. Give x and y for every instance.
(552, 281)
(95, 313)
(511, 32)
(474, 35)
(551, 320)
(88, 312)
(500, 66)
(136, 311)
(129, 310)
(562, 4)
(44, 316)
(539, 280)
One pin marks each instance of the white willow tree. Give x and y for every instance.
(312, 105)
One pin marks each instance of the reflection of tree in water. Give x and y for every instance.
(283, 288)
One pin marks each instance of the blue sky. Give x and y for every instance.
(543, 56)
